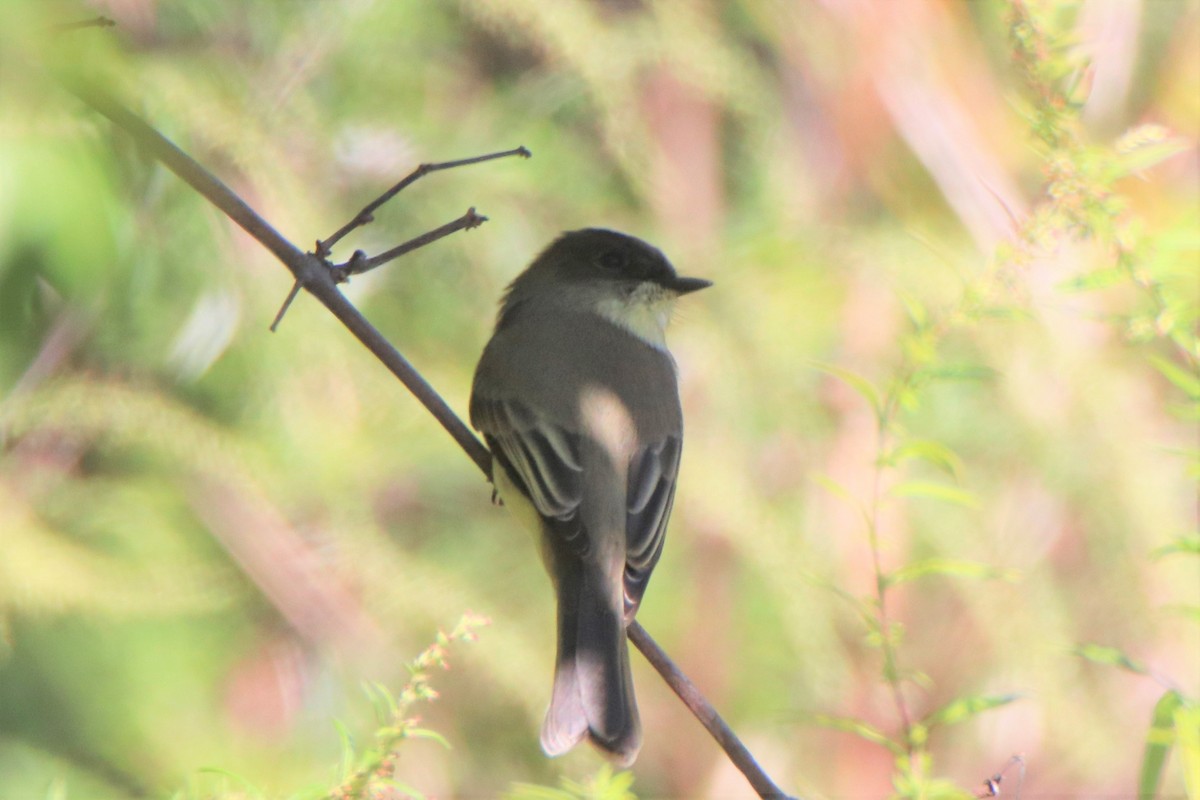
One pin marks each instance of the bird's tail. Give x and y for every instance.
(593, 686)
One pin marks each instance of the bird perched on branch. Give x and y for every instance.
(577, 399)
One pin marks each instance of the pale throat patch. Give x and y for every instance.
(644, 313)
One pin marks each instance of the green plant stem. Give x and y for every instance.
(890, 661)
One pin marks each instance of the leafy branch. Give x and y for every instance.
(1079, 199)
(374, 767)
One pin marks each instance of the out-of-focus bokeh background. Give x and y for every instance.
(938, 501)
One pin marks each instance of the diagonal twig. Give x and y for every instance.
(707, 715)
(325, 246)
(287, 303)
(312, 273)
(359, 263)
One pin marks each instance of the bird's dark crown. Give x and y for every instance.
(582, 266)
(599, 254)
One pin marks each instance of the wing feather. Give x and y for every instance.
(649, 497)
(544, 460)
(544, 456)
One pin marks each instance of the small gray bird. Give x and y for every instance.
(576, 397)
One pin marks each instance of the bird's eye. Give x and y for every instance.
(611, 260)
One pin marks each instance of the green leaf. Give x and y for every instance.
(1186, 412)
(946, 566)
(249, 788)
(603, 785)
(965, 707)
(959, 372)
(57, 790)
(833, 487)
(1110, 656)
(1187, 736)
(1159, 739)
(620, 785)
(382, 701)
(1185, 379)
(856, 382)
(346, 765)
(1006, 313)
(876, 636)
(863, 730)
(918, 678)
(1144, 147)
(916, 310)
(920, 347)
(936, 491)
(531, 791)
(918, 735)
(935, 453)
(1189, 545)
(424, 733)
(1096, 279)
(1183, 610)
(905, 392)
(911, 780)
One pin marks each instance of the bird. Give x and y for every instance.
(577, 398)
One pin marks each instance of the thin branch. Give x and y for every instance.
(310, 271)
(703, 711)
(359, 263)
(287, 303)
(313, 274)
(325, 247)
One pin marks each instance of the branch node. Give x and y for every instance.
(472, 220)
(358, 263)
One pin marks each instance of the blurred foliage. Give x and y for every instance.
(604, 785)
(938, 505)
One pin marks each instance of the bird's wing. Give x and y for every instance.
(541, 458)
(648, 500)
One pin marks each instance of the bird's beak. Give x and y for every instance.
(682, 285)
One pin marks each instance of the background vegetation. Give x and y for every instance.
(938, 505)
